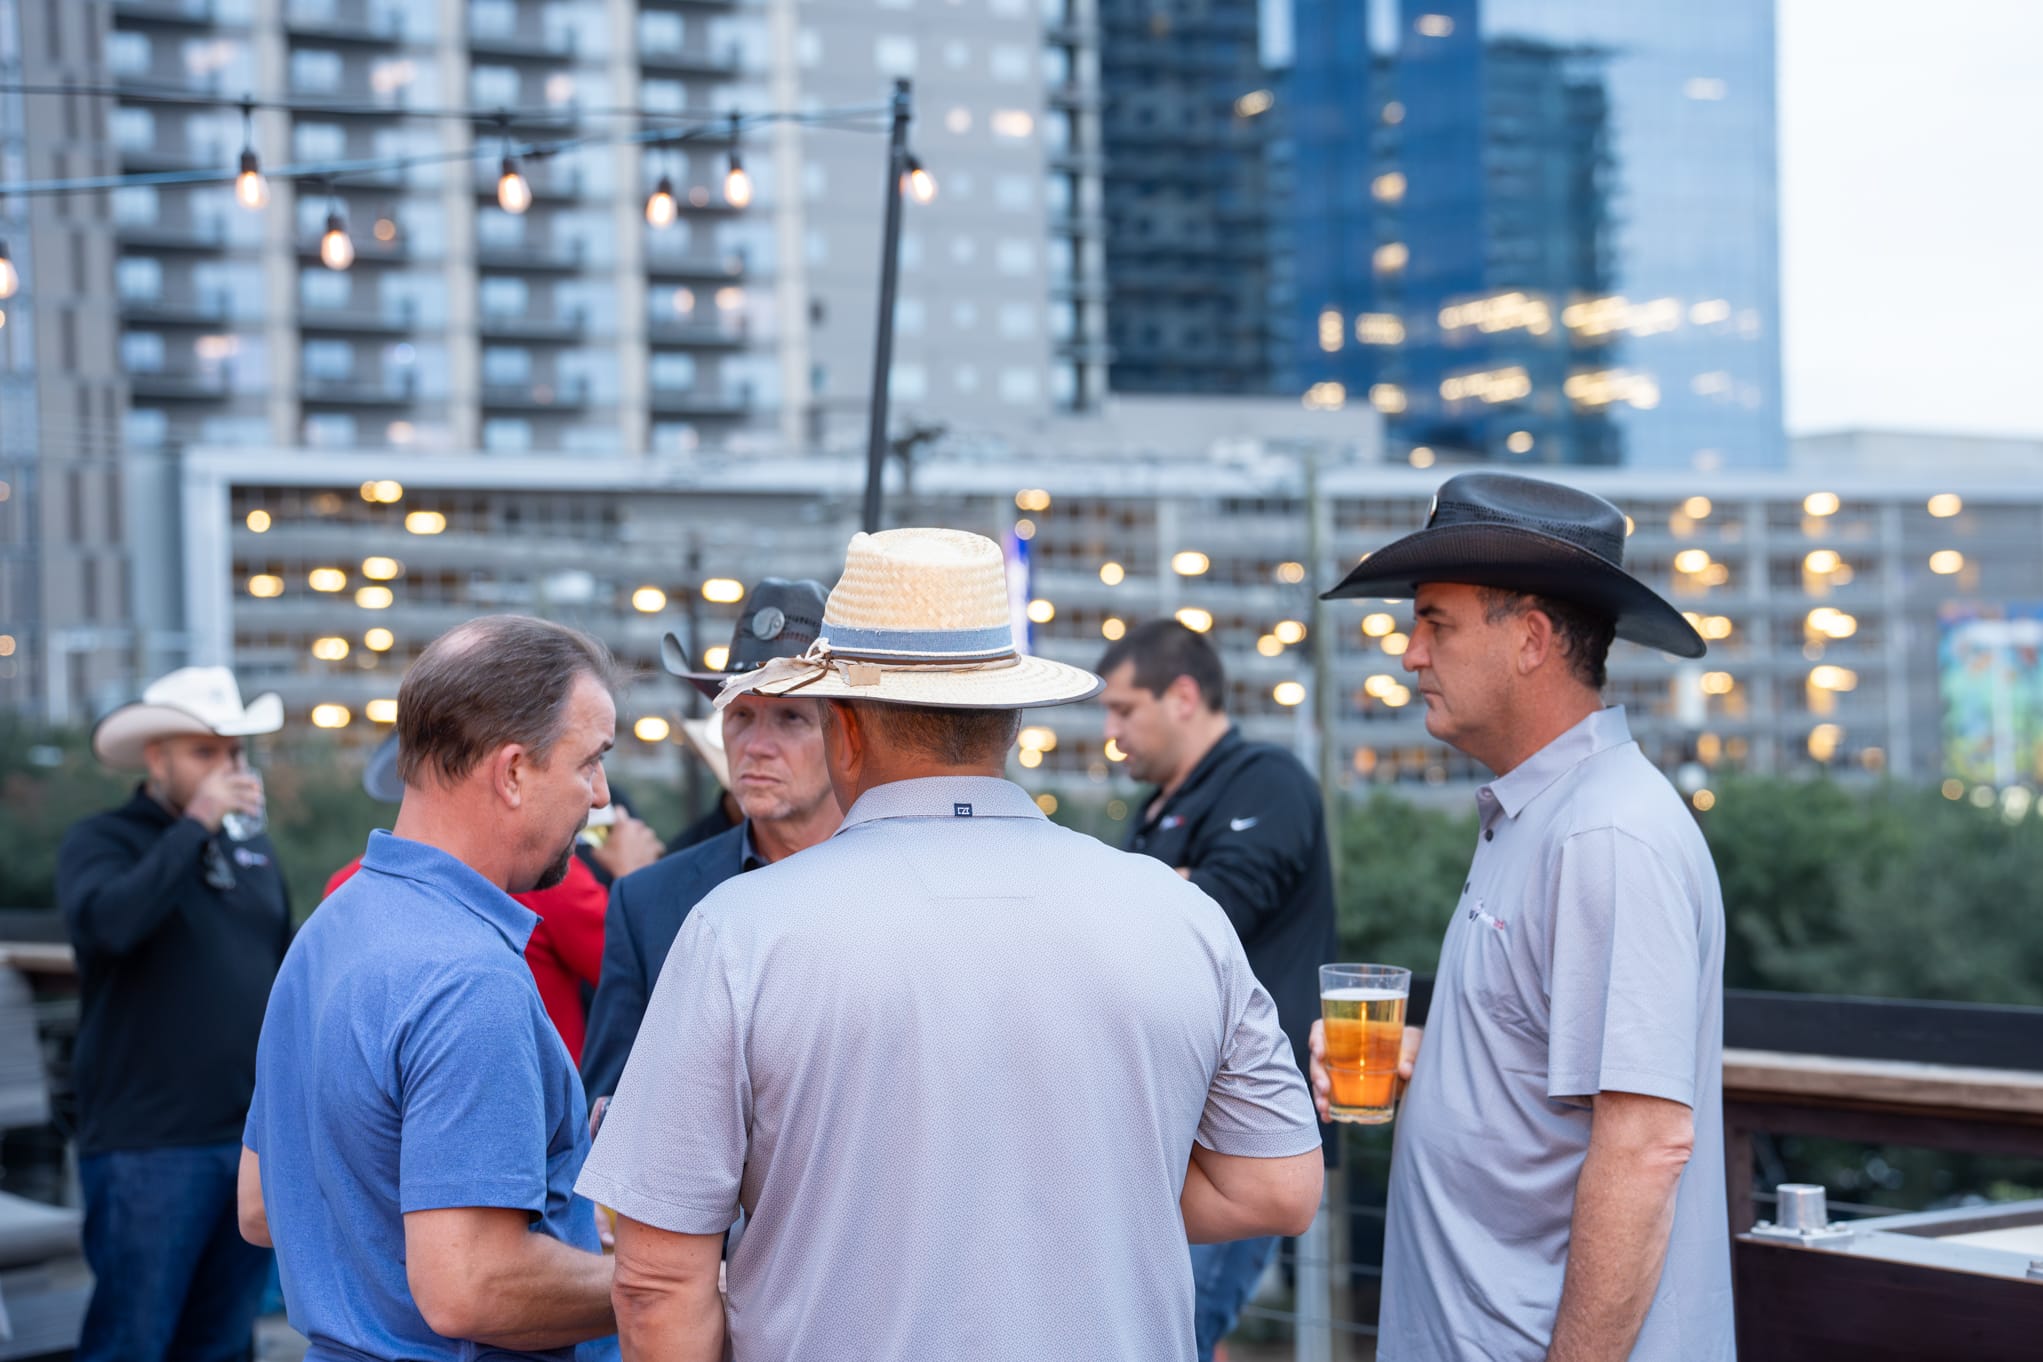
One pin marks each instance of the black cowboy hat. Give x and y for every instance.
(1521, 534)
(779, 619)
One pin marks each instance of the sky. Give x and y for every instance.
(1911, 190)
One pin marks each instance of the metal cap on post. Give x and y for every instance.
(1802, 1216)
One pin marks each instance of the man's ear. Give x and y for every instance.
(509, 770)
(844, 736)
(1537, 644)
(1182, 698)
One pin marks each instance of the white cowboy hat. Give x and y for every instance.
(705, 737)
(920, 617)
(191, 700)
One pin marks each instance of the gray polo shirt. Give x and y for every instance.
(1586, 954)
(951, 1063)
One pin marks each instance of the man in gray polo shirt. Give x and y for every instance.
(973, 1078)
(1557, 1186)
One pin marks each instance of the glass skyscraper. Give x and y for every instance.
(1534, 231)
(1540, 231)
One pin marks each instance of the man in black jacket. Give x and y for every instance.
(1243, 822)
(774, 751)
(179, 929)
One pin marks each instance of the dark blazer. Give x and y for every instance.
(647, 908)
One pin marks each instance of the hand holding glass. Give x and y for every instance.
(243, 825)
(1363, 1007)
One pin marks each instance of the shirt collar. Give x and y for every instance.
(428, 865)
(748, 850)
(1508, 794)
(942, 797)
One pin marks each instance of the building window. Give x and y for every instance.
(128, 54)
(1010, 63)
(314, 70)
(966, 378)
(908, 382)
(142, 352)
(506, 435)
(1015, 256)
(1018, 385)
(506, 366)
(908, 316)
(493, 86)
(660, 30)
(330, 430)
(672, 373)
(133, 129)
(319, 142)
(1014, 191)
(502, 297)
(894, 55)
(328, 359)
(324, 288)
(139, 278)
(1017, 320)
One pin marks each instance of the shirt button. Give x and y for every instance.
(1489, 834)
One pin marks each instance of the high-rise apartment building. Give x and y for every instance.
(381, 288)
(1197, 270)
(1538, 231)
(67, 637)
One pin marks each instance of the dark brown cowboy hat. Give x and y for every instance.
(1520, 534)
(779, 619)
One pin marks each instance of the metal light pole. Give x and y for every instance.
(883, 342)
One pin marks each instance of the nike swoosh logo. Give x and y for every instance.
(1242, 824)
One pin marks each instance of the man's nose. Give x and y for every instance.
(602, 799)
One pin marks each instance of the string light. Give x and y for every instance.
(921, 184)
(10, 278)
(737, 184)
(661, 209)
(514, 192)
(250, 189)
(336, 251)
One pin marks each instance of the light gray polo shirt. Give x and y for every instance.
(951, 1063)
(1586, 954)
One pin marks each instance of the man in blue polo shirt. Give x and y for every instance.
(417, 1125)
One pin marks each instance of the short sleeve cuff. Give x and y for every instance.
(508, 1194)
(672, 1216)
(1644, 1082)
(1261, 1144)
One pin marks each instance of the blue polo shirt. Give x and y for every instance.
(406, 1064)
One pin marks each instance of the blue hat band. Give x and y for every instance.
(962, 644)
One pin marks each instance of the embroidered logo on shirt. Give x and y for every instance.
(961, 810)
(1480, 914)
(243, 856)
(1173, 821)
(1242, 824)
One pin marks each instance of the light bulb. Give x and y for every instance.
(251, 190)
(921, 184)
(514, 194)
(737, 184)
(661, 209)
(336, 251)
(10, 278)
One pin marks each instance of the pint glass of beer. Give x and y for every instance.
(1364, 1010)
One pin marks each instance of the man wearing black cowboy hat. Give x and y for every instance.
(1557, 1187)
(774, 751)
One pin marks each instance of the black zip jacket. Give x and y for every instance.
(1247, 823)
(174, 972)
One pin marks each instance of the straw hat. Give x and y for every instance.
(705, 737)
(200, 701)
(920, 617)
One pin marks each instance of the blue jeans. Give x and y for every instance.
(1223, 1275)
(175, 1281)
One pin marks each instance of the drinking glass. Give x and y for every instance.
(1363, 1007)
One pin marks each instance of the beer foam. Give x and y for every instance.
(1361, 995)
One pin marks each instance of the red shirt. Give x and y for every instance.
(566, 949)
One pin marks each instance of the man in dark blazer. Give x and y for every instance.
(779, 779)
